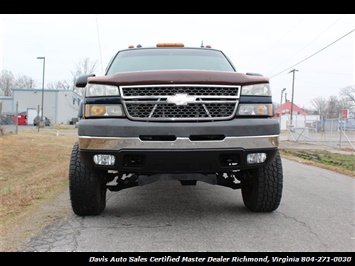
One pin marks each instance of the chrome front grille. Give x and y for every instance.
(168, 90)
(180, 102)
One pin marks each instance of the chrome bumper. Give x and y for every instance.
(119, 143)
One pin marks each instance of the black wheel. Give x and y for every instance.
(188, 182)
(262, 188)
(87, 187)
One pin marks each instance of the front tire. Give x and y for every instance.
(87, 187)
(262, 187)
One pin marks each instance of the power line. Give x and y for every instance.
(310, 42)
(313, 54)
(292, 28)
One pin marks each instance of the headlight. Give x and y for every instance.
(97, 110)
(257, 90)
(257, 109)
(101, 90)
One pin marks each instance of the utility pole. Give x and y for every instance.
(280, 113)
(42, 123)
(293, 88)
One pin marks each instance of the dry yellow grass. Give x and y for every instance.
(33, 166)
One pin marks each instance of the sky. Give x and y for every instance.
(320, 47)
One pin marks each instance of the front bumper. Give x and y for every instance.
(207, 147)
(130, 129)
(122, 143)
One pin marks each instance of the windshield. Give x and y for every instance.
(169, 58)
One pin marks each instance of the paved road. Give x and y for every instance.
(316, 214)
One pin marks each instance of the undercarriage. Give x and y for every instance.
(123, 181)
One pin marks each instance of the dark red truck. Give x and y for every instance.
(172, 112)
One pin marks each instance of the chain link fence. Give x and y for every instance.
(333, 133)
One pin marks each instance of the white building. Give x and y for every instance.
(60, 106)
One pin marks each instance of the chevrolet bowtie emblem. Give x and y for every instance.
(181, 99)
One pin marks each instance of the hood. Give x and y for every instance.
(178, 77)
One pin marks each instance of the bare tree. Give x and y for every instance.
(320, 104)
(331, 107)
(346, 103)
(334, 107)
(7, 81)
(64, 85)
(85, 66)
(348, 92)
(24, 82)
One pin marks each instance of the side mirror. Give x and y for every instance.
(82, 80)
(81, 110)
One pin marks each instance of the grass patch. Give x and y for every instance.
(33, 167)
(338, 162)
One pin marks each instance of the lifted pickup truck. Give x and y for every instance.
(180, 113)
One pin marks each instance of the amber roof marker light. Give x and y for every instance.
(170, 44)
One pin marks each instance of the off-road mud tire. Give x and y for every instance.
(87, 187)
(262, 187)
